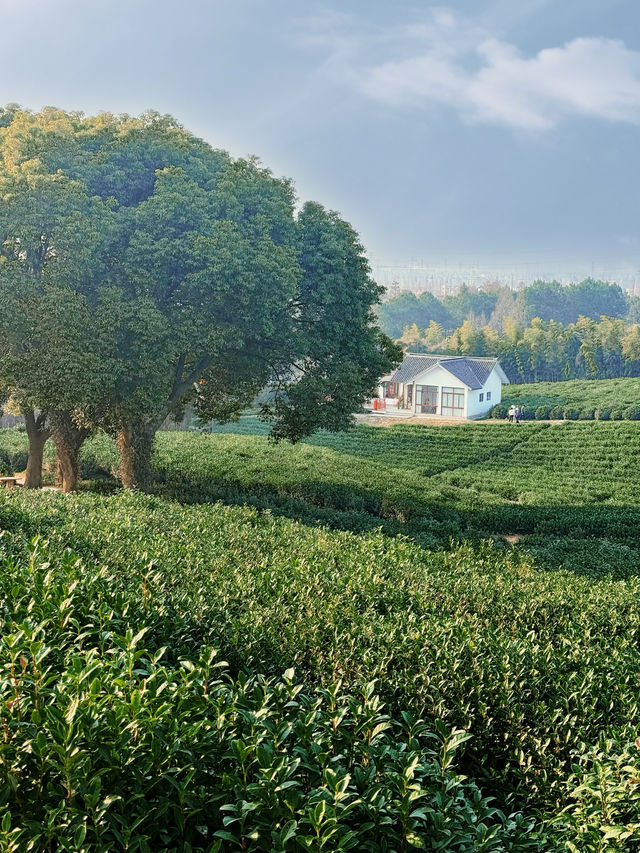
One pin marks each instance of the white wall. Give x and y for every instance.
(442, 378)
(494, 386)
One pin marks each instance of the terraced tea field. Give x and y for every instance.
(354, 585)
(575, 399)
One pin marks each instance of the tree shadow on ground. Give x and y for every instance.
(591, 540)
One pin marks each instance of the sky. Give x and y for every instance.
(471, 131)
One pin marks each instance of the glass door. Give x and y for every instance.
(453, 402)
(427, 399)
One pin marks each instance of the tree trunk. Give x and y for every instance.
(135, 443)
(38, 434)
(68, 439)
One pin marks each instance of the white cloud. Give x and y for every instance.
(450, 61)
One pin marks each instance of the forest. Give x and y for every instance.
(545, 332)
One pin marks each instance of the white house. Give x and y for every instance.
(445, 385)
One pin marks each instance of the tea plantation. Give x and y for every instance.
(385, 640)
(575, 399)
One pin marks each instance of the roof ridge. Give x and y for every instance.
(440, 355)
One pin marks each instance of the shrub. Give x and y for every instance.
(603, 414)
(494, 644)
(587, 414)
(556, 413)
(632, 413)
(542, 413)
(101, 485)
(18, 460)
(122, 746)
(570, 413)
(604, 815)
(99, 457)
(499, 411)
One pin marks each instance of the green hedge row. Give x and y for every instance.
(572, 413)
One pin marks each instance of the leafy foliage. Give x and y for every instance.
(533, 650)
(141, 270)
(113, 740)
(604, 813)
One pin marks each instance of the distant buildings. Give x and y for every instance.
(444, 281)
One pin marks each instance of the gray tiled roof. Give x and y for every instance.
(472, 372)
(466, 371)
(412, 366)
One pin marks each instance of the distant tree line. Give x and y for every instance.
(545, 332)
(548, 300)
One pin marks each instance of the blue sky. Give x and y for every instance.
(470, 130)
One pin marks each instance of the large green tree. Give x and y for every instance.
(193, 278)
(54, 240)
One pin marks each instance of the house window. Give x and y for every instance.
(481, 397)
(427, 399)
(392, 389)
(488, 395)
(453, 402)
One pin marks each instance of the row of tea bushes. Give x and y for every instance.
(560, 486)
(563, 485)
(426, 450)
(575, 399)
(531, 663)
(111, 742)
(13, 450)
(571, 413)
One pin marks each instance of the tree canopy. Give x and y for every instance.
(407, 308)
(143, 270)
(550, 300)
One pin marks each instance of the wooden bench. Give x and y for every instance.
(9, 482)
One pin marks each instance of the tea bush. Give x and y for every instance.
(632, 413)
(538, 657)
(604, 790)
(575, 394)
(532, 649)
(113, 743)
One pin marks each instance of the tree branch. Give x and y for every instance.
(181, 388)
(179, 371)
